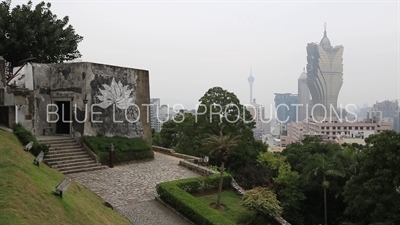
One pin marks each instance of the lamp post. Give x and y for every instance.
(112, 155)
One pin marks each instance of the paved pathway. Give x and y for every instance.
(131, 188)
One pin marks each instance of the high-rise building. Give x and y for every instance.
(286, 107)
(263, 125)
(396, 121)
(324, 74)
(166, 113)
(250, 79)
(388, 108)
(154, 114)
(303, 94)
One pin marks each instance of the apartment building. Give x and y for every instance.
(330, 129)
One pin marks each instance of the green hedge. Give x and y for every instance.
(177, 194)
(126, 149)
(25, 137)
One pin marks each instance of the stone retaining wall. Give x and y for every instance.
(173, 153)
(196, 168)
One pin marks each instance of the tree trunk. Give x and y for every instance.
(325, 208)
(221, 179)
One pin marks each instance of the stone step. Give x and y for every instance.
(55, 151)
(52, 140)
(64, 145)
(67, 171)
(57, 141)
(75, 163)
(58, 162)
(66, 154)
(64, 158)
(72, 167)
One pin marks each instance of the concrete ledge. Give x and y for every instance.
(91, 153)
(163, 150)
(173, 153)
(196, 168)
(173, 210)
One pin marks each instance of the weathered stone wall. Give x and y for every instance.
(112, 94)
(169, 151)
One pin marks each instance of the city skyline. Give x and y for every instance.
(177, 43)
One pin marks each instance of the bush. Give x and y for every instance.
(24, 136)
(176, 194)
(126, 149)
(263, 201)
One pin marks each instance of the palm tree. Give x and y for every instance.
(348, 157)
(221, 145)
(319, 165)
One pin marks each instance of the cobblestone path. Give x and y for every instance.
(130, 189)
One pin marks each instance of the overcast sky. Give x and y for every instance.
(189, 47)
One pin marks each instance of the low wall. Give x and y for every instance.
(196, 168)
(169, 151)
(91, 153)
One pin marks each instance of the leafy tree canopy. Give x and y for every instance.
(263, 201)
(287, 185)
(34, 31)
(168, 134)
(373, 193)
(219, 110)
(314, 155)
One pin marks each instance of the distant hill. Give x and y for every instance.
(26, 193)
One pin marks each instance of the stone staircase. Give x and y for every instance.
(68, 156)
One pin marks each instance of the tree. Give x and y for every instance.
(373, 193)
(221, 145)
(156, 140)
(169, 134)
(300, 156)
(320, 165)
(287, 185)
(263, 201)
(219, 107)
(348, 156)
(28, 31)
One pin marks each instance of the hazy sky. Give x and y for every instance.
(189, 47)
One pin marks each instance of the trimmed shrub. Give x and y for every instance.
(126, 149)
(177, 194)
(24, 136)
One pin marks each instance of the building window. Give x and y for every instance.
(372, 128)
(367, 128)
(361, 128)
(345, 128)
(356, 128)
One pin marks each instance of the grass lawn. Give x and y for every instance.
(26, 193)
(234, 211)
